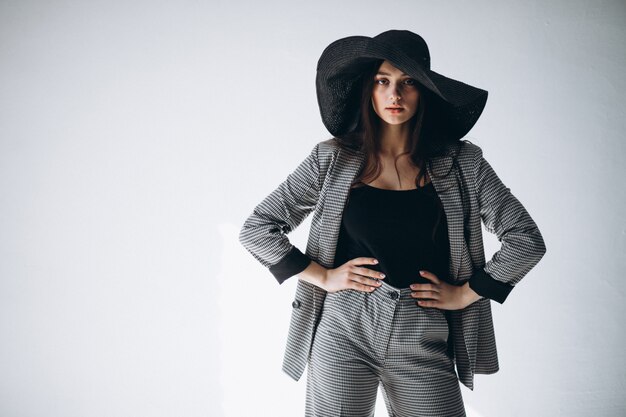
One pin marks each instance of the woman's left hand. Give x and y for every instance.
(440, 294)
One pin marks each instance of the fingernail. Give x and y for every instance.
(422, 272)
(383, 275)
(375, 261)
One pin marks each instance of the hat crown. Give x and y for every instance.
(411, 44)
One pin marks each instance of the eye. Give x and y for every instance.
(410, 81)
(378, 81)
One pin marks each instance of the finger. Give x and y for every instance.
(425, 287)
(428, 303)
(426, 294)
(361, 287)
(363, 260)
(365, 280)
(368, 272)
(430, 276)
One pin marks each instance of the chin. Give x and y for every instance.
(396, 121)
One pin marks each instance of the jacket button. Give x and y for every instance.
(296, 304)
(393, 294)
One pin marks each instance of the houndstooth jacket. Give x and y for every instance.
(469, 190)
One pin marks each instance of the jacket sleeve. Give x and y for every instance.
(264, 232)
(503, 215)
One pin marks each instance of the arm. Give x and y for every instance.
(504, 216)
(264, 232)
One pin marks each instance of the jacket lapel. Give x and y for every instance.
(450, 196)
(347, 165)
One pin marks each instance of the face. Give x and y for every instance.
(395, 96)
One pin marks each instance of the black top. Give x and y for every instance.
(396, 227)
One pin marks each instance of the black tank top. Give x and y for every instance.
(395, 227)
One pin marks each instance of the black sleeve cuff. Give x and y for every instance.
(293, 263)
(483, 284)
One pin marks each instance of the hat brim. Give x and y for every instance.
(339, 72)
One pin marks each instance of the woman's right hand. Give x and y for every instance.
(352, 276)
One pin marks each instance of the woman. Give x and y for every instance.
(393, 289)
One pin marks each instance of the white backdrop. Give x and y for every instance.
(136, 137)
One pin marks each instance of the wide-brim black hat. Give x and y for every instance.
(342, 64)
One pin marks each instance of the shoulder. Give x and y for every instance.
(329, 149)
(460, 149)
(324, 151)
(469, 148)
(470, 154)
(461, 153)
(329, 145)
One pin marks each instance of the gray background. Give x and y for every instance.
(136, 137)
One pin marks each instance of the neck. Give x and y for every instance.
(394, 139)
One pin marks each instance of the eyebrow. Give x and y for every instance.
(386, 73)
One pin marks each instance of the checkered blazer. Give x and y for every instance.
(470, 191)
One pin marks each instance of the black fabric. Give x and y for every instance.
(292, 264)
(396, 227)
(484, 284)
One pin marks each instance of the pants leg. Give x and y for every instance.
(342, 378)
(339, 386)
(418, 376)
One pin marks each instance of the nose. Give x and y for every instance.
(395, 93)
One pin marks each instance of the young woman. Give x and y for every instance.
(393, 289)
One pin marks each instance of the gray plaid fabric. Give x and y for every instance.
(383, 337)
(471, 193)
